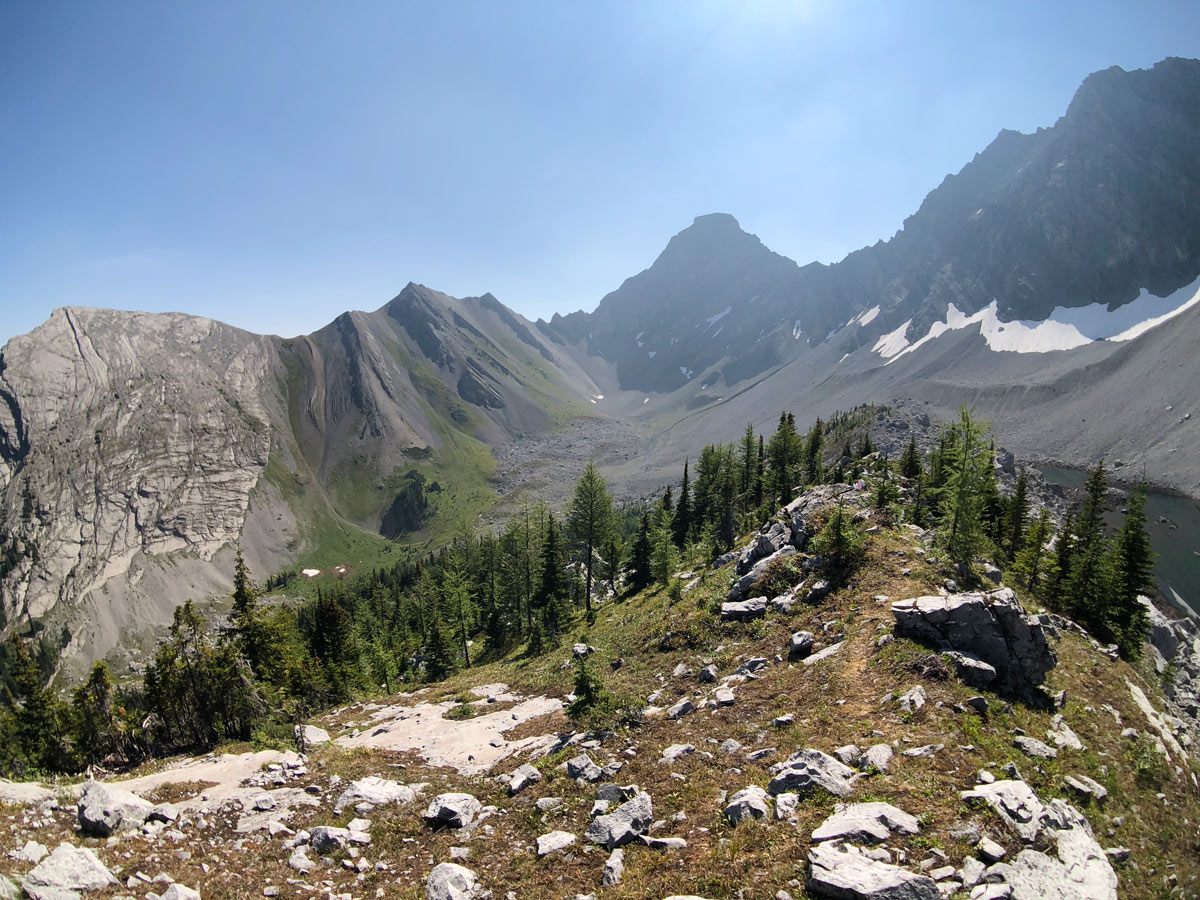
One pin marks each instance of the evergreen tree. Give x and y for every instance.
(748, 462)
(967, 466)
(1087, 582)
(640, 574)
(682, 526)
(865, 447)
(439, 660)
(552, 588)
(1132, 576)
(784, 454)
(662, 548)
(1027, 568)
(760, 472)
(812, 452)
(839, 542)
(1018, 514)
(92, 703)
(590, 520)
(910, 462)
(456, 597)
(39, 715)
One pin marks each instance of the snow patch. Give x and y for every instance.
(713, 320)
(893, 342)
(843, 359)
(866, 317)
(310, 573)
(796, 332)
(687, 373)
(718, 331)
(1065, 329)
(652, 353)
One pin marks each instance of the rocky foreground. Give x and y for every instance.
(890, 738)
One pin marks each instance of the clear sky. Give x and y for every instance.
(272, 164)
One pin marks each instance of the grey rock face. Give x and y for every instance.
(134, 434)
(626, 823)
(179, 892)
(808, 770)
(450, 881)
(749, 803)
(104, 809)
(374, 790)
(677, 751)
(680, 709)
(773, 538)
(870, 822)
(581, 766)
(971, 669)
(843, 872)
(991, 626)
(68, 868)
(453, 810)
(742, 586)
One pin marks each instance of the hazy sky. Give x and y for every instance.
(272, 164)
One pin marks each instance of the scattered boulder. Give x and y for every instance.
(871, 822)
(614, 868)
(326, 839)
(453, 810)
(554, 842)
(67, 869)
(179, 892)
(829, 651)
(807, 770)
(991, 626)
(708, 674)
(1033, 747)
(104, 809)
(773, 538)
(375, 791)
(912, 700)
(626, 823)
(844, 872)
(680, 709)
(677, 751)
(1086, 787)
(311, 735)
(1063, 736)
(450, 881)
(521, 778)
(800, 645)
(749, 803)
(32, 853)
(582, 767)
(971, 669)
(741, 610)
(876, 757)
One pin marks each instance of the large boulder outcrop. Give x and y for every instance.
(104, 809)
(450, 881)
(624, 824)
(67, 871)
(376, 791)
(990, 626)
(843, 872)
(868, 822)
(807, 770)
(453, 810)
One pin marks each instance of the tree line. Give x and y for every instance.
(273, 661)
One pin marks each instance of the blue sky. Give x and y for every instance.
(272, 164)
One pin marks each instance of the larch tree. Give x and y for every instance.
(590, 521)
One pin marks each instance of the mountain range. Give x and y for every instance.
(1049, 284)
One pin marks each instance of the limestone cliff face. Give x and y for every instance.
(133, 446)
(123, 434)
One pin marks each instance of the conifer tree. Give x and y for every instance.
(640, 575)
(1087, 582)
(552, 588)
(910, 462)
(92, 702)
(590, 521)
(967, 469)
(1018, 514)
(812, 452)
(748, 462)
(1028, 566)
(1132, 576)
(682, 525)
(662, 544)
